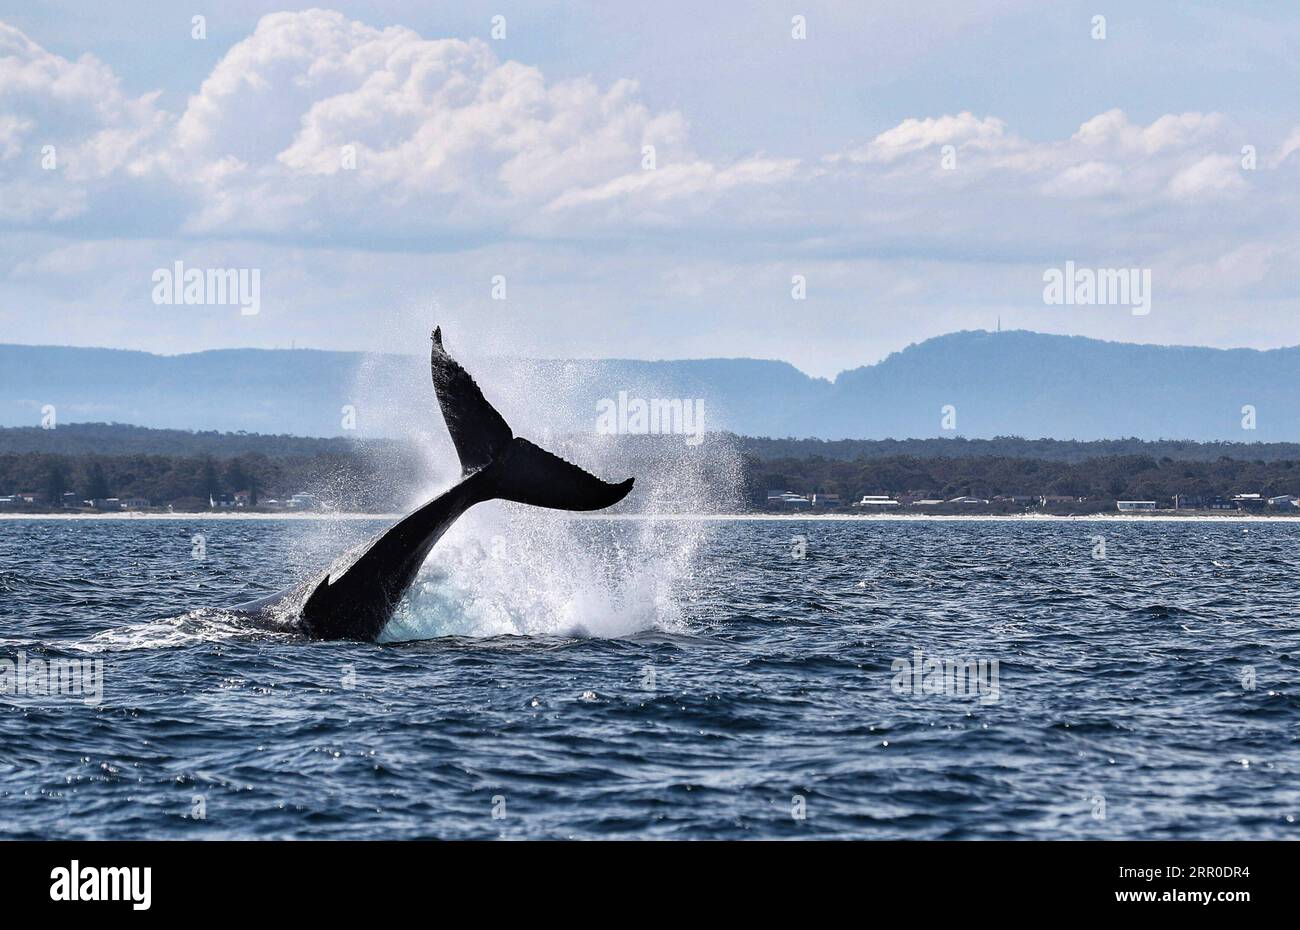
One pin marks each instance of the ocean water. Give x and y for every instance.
(674, 679)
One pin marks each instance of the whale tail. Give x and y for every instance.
(355, 599)
(514, 468)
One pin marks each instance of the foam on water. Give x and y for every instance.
(504, 570)
(205, 625)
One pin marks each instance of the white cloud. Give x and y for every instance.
(679, 181)
(1177, 157)
(1112, 129)
(1210, 175)
(1289, 147)
(541, 179)
(912, 135)
(449, 140)
(1089, 179)
(445, 135)
(69, 114)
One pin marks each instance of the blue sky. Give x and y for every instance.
(479, 158)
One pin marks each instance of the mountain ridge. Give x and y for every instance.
(984, 384)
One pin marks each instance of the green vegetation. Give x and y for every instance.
(1013, 447)
(1101, 480)
(119, 439)
(101, 461)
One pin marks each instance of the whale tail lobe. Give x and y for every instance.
(514, 468)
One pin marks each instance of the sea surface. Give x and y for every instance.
(669, 679)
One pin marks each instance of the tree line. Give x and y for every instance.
(1015, 447)
(166, 466)
(122, 439)
(356, 480)
(346, 479)
(1105, 478)
(116, 439)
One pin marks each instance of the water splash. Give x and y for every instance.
(507, 569)
(510, 570)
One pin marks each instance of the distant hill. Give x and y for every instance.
(1067, 387)
(264, 391)
(1000, 384)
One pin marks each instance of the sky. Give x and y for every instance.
(829, 181)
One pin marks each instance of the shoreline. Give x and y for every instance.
(138, 516)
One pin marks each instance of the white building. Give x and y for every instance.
(876, 500)
(1130, 506)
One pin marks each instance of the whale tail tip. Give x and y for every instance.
(521, 471)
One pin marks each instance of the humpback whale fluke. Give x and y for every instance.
(355, 598)
(525, 473)
(478, 432)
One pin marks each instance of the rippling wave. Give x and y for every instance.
(677, 679)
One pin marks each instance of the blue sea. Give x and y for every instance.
(668, 679)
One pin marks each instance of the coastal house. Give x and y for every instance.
(876, 501)
(825, 500)
(303, 501)
(790, 499)
(1135, 506)
(1249, 501)
(928, 502)
(967, 500)
(1284, 501)
(134, 503)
